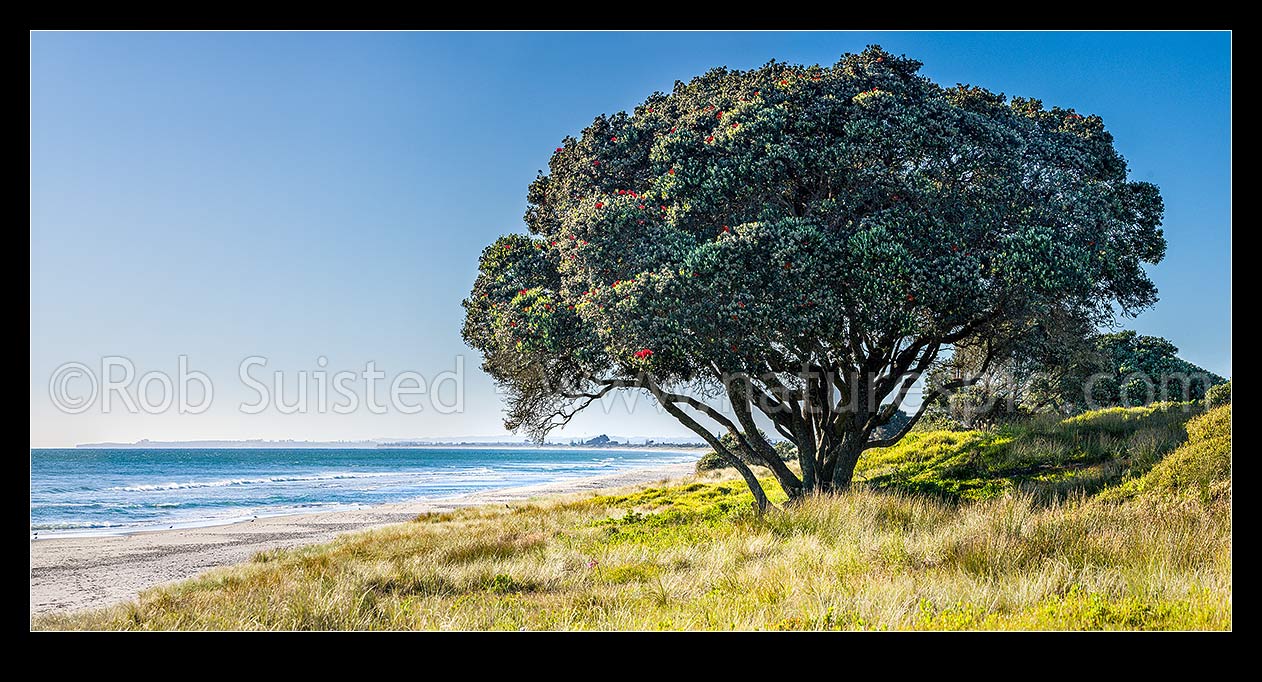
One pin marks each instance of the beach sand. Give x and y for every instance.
(86, 572)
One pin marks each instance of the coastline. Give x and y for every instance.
(81, 572)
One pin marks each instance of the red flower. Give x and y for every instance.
(726, 228)
(643, 353)
(633, 194)
(756, 92)
(784, 82)
(663, 207)
(880, 59)
(560, 148)
(622, 191)
(522, 292)
(671, 171)
(650, 110)
(788, 266)
(709, 107)
(600, 204)
(613, 139)
(641, 221)
(596, 162)
(736, 125)
(710, 139)
(910, 297)
(740, 303)
(641, 207)
(672, 129)
(719, 115)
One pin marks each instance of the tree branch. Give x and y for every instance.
(929, 400)
(760, 496)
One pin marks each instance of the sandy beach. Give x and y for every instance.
(85, 572)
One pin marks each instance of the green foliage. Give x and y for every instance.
(936, 418)
(786, 450)
(1063, 367)
(1130, 369)
(751, 219)
(711, 460)
(1218, 395)
(507, 584)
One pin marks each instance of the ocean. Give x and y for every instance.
(112, 491)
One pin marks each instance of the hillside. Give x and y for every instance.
(1117, 519)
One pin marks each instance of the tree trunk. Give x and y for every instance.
(760, 498)
(843, 470)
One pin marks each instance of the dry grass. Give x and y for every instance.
(693, 557)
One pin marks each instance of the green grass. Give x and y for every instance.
(1200, 468)
(995, 530)
(1048, 458)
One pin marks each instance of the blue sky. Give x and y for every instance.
(306, 195)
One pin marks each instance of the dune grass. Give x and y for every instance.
(931, 542)
(1047, 457)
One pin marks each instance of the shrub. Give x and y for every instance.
(1218, 395)
(936, 418)
(710, 461)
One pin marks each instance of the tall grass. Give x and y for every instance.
(1050, 458)
(693, 556)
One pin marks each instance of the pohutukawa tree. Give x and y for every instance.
(796, 246)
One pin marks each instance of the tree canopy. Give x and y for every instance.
(1126, 368)
(803, 243)
(1070, 370)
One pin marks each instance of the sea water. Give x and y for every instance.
(109, 491)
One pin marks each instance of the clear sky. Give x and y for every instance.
(305, 195)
